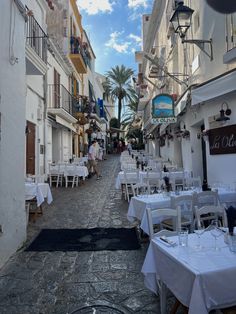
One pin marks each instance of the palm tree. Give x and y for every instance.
(131, 121)
(117, 86)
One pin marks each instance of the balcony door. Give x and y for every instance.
(230, 31)
(30, 148)
(57, 95)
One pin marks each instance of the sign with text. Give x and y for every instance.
(164, 120)
(223, 140)
(162, 109)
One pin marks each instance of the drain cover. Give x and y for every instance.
(101, 308)
(98, 309)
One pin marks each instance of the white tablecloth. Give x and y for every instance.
(201, 279)
(39, 190)
(138, 205)
(152, 174)
(70, 170)
(142, 174)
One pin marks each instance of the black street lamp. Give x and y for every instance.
(181, 21)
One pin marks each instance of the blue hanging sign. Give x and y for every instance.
(100, 103)
(163, 109)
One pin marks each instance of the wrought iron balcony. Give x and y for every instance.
(61, 102)
(78, 55)
(36, 38)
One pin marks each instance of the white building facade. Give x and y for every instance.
(12, 129)
(201, 82)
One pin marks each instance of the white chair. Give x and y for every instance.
(206, 198)
(71, 175)
(157, 215)
(153, 179)
(186, 205)
(128, 166)
(210, 212)
(140, 189)
(177, 180)
(55, 174)
(130, 177)
(193, 183)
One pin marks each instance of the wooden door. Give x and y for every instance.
(30, 148)
(56, 89)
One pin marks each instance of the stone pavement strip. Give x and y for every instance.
(79, 282)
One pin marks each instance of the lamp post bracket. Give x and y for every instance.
(201, 44)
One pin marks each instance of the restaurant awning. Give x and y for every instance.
(222, 85)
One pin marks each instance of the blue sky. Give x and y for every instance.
(114, 30)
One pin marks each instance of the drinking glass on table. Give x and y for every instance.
(200, 228)
(216, 232)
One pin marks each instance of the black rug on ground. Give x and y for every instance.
(96, 239)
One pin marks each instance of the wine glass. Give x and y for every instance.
(199, 231)
(216, 232)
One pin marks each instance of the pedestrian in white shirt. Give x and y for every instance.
(92, 163)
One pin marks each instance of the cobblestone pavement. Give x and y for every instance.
(79, 282)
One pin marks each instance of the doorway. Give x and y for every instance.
(30, 148)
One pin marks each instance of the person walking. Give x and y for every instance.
(129, 147)
(92, 162)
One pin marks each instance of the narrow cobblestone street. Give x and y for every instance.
(79, 282)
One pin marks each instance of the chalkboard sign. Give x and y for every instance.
(223, 140)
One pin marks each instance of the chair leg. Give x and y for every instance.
(58, 179)
(73, 182)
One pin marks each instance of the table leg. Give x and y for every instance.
(162, 293)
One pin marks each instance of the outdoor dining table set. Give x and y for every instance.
(38, 193)
(139, 204)
(131, 176)
(202, 278)
(71, 172)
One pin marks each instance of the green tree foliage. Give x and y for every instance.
(114, 123)
(117, 86)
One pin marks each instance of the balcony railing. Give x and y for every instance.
(77, 48)
(59, 97)
(36, 38)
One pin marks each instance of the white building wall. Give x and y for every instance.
(12, 142)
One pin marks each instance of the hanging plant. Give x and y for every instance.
(89, 131)
(186, 134)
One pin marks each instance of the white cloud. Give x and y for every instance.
(95, 6)
(123, 44)
(136, 38)
(135, 16)
(134, 4)
(118, 43)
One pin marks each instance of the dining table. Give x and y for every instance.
(40, 191)
(201, 279)
(74, 169)
(120, 179)
(138, 204)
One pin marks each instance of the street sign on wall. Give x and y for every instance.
(163, 109)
